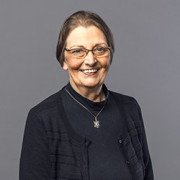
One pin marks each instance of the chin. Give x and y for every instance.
(91, 85)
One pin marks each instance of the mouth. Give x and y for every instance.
(89, 71)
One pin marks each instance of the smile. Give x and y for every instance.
(89, 70)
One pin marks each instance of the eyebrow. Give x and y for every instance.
(81, 46)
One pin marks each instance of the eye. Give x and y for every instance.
(77, 51)
(100, 50)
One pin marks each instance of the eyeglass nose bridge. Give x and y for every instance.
(87, 51)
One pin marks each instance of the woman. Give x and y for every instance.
(85, 131)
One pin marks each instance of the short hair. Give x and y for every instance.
(85, 19)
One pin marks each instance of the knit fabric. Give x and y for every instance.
(53, 150)
(106, 159)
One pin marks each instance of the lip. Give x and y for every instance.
(89, 72)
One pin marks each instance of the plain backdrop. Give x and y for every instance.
(146, 65)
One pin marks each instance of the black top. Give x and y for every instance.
(106, 160)
(52, 148)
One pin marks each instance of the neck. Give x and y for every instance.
(93, 94)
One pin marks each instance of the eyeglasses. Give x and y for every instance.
(81, 52)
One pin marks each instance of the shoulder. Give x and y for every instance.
(127, 103)
(130, 108)
(48, 114)
(47, 105)
(124, 99)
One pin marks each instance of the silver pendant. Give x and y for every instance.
(96, 123)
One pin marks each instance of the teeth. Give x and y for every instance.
(89, 70)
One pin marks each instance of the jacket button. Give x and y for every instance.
(86, 143)
(127, 162)
(120, 141)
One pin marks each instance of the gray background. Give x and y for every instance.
(146, 65)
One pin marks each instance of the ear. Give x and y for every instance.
(65, 66)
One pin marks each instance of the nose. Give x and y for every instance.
(90, 59)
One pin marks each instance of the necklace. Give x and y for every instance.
(96, 123)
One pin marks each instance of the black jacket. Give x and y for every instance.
(53, 151)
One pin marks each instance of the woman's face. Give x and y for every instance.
(88, 72)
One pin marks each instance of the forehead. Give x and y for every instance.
(87, 36)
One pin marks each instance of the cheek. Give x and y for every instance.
(73, 64)
(106, 64)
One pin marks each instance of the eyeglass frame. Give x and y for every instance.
(87, 51)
